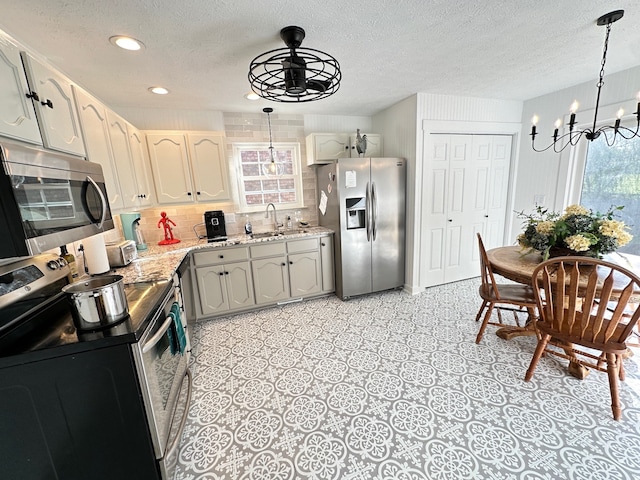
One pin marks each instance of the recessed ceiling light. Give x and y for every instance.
(158, 90)
(128, 43)
(252, 96)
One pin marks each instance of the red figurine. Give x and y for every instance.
(168, 234)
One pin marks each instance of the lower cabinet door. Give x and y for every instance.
(305, 274)
(239, 283)
(212, 289)
(270, 279)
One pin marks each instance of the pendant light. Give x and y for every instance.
(273, 168)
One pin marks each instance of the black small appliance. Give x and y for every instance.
(214, 222)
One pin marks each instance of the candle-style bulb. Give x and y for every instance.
(534, 120)
(574, 106)
(557, 123)
(620, 113)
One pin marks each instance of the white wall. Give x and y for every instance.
(548, 173)
(337, 124)
(402, 128)
(172, 118)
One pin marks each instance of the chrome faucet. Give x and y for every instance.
(275, 218)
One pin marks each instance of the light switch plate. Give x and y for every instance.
(230, 218)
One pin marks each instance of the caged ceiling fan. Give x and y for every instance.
(294, 74)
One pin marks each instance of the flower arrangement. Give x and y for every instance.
(578, 231)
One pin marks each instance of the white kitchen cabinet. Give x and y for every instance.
(323, 148)
(208, 166)
(139, 162)
(374, 146)
(224, 280)
(131, 175)
(326, 259)
(270, 272)
(188, 166)
(55, 108)
(465, 182)
(95, 132)
(17, 115)
(305, 274)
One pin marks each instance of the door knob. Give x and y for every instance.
(33, 95)
(48, 103)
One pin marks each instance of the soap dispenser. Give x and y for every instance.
(248, 229)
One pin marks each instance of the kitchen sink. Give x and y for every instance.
(278, 234)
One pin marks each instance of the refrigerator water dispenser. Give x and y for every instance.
(356, 212)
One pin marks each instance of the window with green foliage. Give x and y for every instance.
(257, 187)
(612, 177)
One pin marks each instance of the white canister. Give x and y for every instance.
(95, 254)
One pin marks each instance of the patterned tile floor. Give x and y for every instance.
(392, 386)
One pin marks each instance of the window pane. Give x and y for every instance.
(252, 186)
(254, 199)
(250, 170)
(612, 177)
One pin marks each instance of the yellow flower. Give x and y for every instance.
(575, 210)
(545, 227)
(522, 240)
(578, 243)
(623, 238)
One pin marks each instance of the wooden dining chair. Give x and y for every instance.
(576, 315)
(514, 297)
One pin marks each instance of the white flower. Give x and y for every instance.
(578, 243)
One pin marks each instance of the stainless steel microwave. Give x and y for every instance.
(48, 199)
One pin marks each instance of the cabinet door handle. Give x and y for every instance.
(486, 216)
(189, 193)
(33, 95)
(284, 264)
(197, 193)
(221, 273)
(290, 262)
(220, 256)
(451, 220)
(226, 273)
(323, 244)
(48, 103)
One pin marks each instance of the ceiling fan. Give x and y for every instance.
(295, 73)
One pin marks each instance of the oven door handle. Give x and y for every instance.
(149, 344)
(103, 201)
(185, 414)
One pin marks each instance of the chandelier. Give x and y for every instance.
(273, 168)
(294, 74)
(610, 132)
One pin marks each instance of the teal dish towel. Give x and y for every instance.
(178, 330)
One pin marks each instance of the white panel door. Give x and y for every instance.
(55, 109)
(119, 138)
(170, 166)
(465, 184)
(95, 130)
(139, 161)
(209, 166)
(17, 116)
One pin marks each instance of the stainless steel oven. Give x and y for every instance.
(48, 199)
(166, 379)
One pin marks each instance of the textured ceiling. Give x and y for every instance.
(201, 49)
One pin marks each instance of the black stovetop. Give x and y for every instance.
(51, 331)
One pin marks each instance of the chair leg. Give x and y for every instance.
(542, 344)
(484, 305)
(612, 370)
(621, 374)
(485, 321)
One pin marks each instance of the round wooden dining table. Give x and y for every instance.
(514, 264)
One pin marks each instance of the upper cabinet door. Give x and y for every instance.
(374, 146)
(139, 160)
(17, 116)
(170, 166)
(119, 137)
(209, 166)
(325, 147)
(55, 109)
(95, 131)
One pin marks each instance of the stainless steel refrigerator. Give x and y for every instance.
(363, 201)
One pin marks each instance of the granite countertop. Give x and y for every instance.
(159, 262)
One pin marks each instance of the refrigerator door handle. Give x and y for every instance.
(374, 210)
(368, 212)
